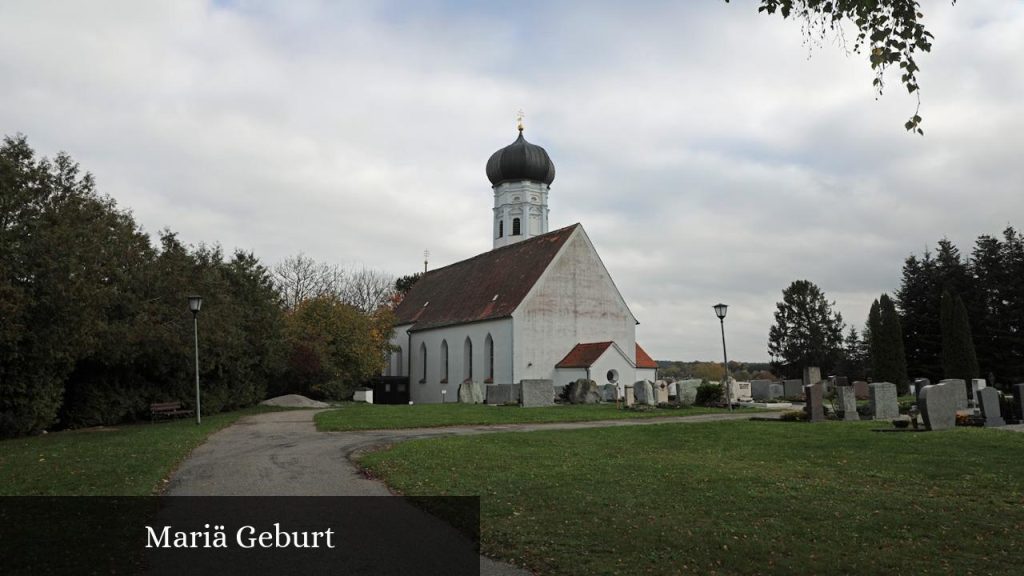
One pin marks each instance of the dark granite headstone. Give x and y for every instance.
(841, 381)
(1018, 400)
(860, 390)
(815, 406)
(989, 400)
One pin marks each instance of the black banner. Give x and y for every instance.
(248, 535)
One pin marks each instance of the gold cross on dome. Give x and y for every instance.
(519, 119)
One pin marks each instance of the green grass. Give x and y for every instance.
(733, 497)
(129, 460)
(380, 417)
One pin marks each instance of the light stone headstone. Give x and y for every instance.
(470, 393)
(686, 391)
(609, 392)
(815, 407)
(989, 400)
(938, 405)
(884, 405)
(584, 391)
(534, 393)
(673, 390)
(793, 388)
(644, 391)
(846, 402)
(628, 396)
(741, 390)
(661, 391)
(961, 392)
(812, 375)
(976, 385)
(498, 394)
(776, 391)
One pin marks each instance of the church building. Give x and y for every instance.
(539, 305)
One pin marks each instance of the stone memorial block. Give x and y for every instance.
(812, 375)
(471, 393)
(793, 388)
(741, 390)
(989, 400)
(583, 391)
(497, 394)
(846, 403)
(938, 405)
(775, 391)
(609, 392)
(686, 391)
(661, 391)
(673, 390)
(884, 405)
(628, 397)
(815, 407)
(1018, 401)
(961, 392)
(760, 390)
(841, 381)
(860, 390)
(644, 392)
(536, 393)
(976, 385)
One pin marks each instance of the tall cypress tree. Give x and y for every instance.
(872, 333)
(958, 356)
(894, 362)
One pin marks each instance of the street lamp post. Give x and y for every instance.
(194, 304)
(720, 310)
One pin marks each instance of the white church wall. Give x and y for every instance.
(646, 374)
(612, 362)
(397, 359)
(427, 388)
(575, 301)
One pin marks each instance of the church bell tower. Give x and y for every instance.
(521, 175)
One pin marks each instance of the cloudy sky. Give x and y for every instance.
(710, 153)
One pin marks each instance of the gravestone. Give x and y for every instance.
(775, 391)
(938, 405)
(846, 403)
(760, 390)
(1018, 402)
(812, 375)
(686, 391)
(673, 390)
(644, 392)
(884, 405)
(815, 407)
(741, 390)
(502, 394)
(841, 381)
(961, 392)
(628, 397)
(534, 393)
(661, 391)
(860, 390)
(793, 388)
(609, 392)
(471, 393)
(976, 385)
(989, 400)
(583, 391)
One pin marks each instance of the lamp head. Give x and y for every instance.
(720, 310)
(195, 303)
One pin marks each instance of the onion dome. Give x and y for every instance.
(520, 160)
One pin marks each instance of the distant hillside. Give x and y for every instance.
(713, 370)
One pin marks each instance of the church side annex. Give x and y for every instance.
(539, 305)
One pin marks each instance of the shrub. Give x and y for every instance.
(709, 393)
(793, 416)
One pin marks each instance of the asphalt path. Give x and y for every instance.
(282, 454)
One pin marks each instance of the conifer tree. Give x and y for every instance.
(958, 355)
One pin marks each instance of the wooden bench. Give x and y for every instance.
(167, 410)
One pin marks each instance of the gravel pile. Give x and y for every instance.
(294, 401)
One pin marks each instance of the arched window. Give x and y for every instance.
(501, 228)
(489, 358)
(515, 227)
(398, 362)
(444, 361)
(423, 353)
(467, 360)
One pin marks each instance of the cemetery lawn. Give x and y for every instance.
(129, 460)
(733, 497)
(359, 416)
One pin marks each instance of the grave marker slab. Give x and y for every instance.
(815, 407)
(644, 392)
(502, 394)
(860, 390)
(812, 375)
(760, 389)
(793, 388)
(846, 402)
(471, 393)
(686, 391)
(884, 405)
(961, 392)
(534, 393)
(776, 391)
(661, 392)
(938, 405)
(989, 400)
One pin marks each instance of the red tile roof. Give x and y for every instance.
(583, 355)
(643, 360)
(483, 287)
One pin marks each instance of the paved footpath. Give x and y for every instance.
(282, 454)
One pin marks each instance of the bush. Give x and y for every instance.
(793, 416)
(709, 393)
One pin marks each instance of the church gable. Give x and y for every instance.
(491, 285)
